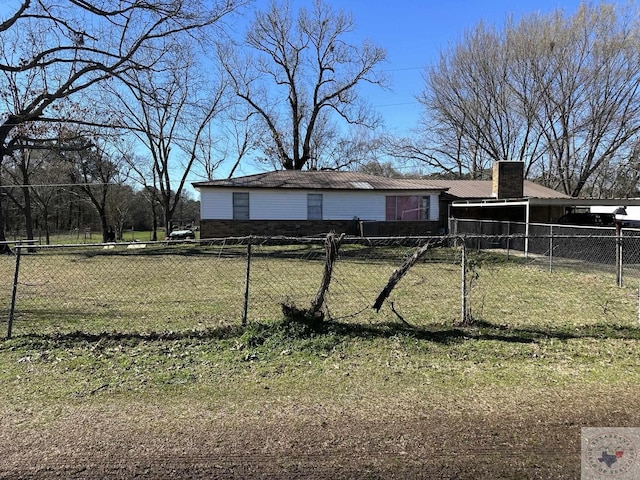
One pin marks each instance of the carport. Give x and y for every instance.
(530, 210)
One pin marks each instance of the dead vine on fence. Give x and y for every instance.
(315, 314)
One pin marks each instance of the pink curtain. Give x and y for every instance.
(403, 207)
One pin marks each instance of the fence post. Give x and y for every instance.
(526, 229)
(619, 254)
(621, 261)
(551, 249)
(14, 291)
(245, 307)
(463, 315)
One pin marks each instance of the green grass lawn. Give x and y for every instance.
(95, 236)
(363, 396)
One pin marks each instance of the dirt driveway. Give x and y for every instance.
(526, 436)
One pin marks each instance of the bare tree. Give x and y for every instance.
(168, 109)
(300, 71)
(345, 148)
(592, 103)
(449, 154)
(120, 206)
(232, 135)
(478, 107)
(18, 171)
(45, 189)
(94, 174)
(555, 91)
(61, 48)
(381, 169)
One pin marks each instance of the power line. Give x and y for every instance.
(58, 185)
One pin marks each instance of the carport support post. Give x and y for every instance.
(245, 308)
(14, 291)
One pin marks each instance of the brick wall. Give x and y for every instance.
(305, 228)
(508, 179)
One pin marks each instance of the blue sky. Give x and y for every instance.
(414, 32)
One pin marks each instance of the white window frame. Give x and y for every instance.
(240, 211)
(314, 206)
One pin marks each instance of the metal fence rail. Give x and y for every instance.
(140, 287)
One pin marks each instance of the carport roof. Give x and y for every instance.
(482, 189)
(567, 202)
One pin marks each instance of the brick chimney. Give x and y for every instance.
(508, 179)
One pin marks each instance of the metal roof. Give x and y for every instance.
(341, 180)
(477, 189)
(321, 180)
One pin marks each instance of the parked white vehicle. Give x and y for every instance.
(630, 218)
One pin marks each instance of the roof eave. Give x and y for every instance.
(201, 185)
(535, 201)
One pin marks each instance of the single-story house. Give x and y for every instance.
(314, 202)
(306, 203)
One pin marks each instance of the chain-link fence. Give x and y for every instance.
(165, 287)
(572, 246)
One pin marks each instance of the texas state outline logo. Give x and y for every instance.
(610, 453)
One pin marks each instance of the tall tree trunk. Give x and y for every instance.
(154, 215)
(4, 248)
(105, 226)
(28, 214)
(47, 232)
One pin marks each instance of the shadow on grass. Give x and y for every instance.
(273, 248)
(284, 331)
(77, 338)
(596, 331)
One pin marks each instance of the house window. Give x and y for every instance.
(240, 206)
(407, 207)
(426, 205)
(314, 206)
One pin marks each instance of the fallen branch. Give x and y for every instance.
(398, 274)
